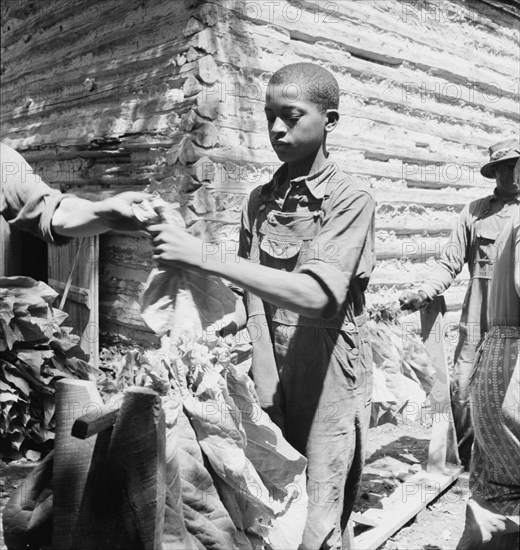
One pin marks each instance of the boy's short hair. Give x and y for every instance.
(319, 85)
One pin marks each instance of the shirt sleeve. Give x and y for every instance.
(26, 202)
(453, 257)
(344, 247)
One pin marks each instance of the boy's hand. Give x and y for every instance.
(413, 301)
(117, 212)
(175, 246)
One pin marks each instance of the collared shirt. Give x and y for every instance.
(472, 241)
(26, 202)
(343, 249)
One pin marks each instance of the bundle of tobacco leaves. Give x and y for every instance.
(403, 371)
(35, 352)
(257, 477)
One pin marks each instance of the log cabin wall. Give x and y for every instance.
(104, 96)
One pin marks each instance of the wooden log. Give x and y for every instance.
(205, 41)
(209, 14)
(101, 419)
(454, 41)
(208, 105)
(410, 89)
(71, 458)
(206, 135)
(208, 70)
(192, 54)
(187, 153)
(124, 501)
(360, 41)
(194, 26)
(203, 170)
(404, 227)
(191, 86)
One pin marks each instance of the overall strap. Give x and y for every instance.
(255, 202)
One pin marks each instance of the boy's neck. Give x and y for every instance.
(308, 166)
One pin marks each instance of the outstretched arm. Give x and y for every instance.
(454, 256)
(77, 217)
(296, 291)
(29, 204)
(317, 289)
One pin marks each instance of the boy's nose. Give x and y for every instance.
(278, 127)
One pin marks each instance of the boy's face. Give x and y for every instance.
(296, 126)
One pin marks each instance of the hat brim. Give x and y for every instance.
(488, 170)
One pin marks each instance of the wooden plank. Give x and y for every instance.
(71, 458)
(124, 500)
(92, 423)
(75, 294)
(405, 503)
(443, 446)
(83, 298)
(10, 243)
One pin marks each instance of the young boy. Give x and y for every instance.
(306, 254)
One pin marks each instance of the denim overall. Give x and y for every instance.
(313, 376)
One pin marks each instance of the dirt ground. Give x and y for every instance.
(397, 451)
(392, 453)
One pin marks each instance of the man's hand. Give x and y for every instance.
(175, 246)
(117, 213)
(413, 301)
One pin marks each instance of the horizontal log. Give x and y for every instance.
(411, 249)
(401, 226)
(404, 89)
(362, 41)
(99, 419)
(445, 18)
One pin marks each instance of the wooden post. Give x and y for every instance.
(72, 457)
(443, 442)
(124, 499)
(82, 303)
(10, 245)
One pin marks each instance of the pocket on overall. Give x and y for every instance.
(282, 254)
(485, 252)
(344, 350)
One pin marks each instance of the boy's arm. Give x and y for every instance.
(297, 291)
(320, 287)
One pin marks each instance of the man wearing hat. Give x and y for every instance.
(472, 241)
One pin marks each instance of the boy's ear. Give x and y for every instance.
(332, 119)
